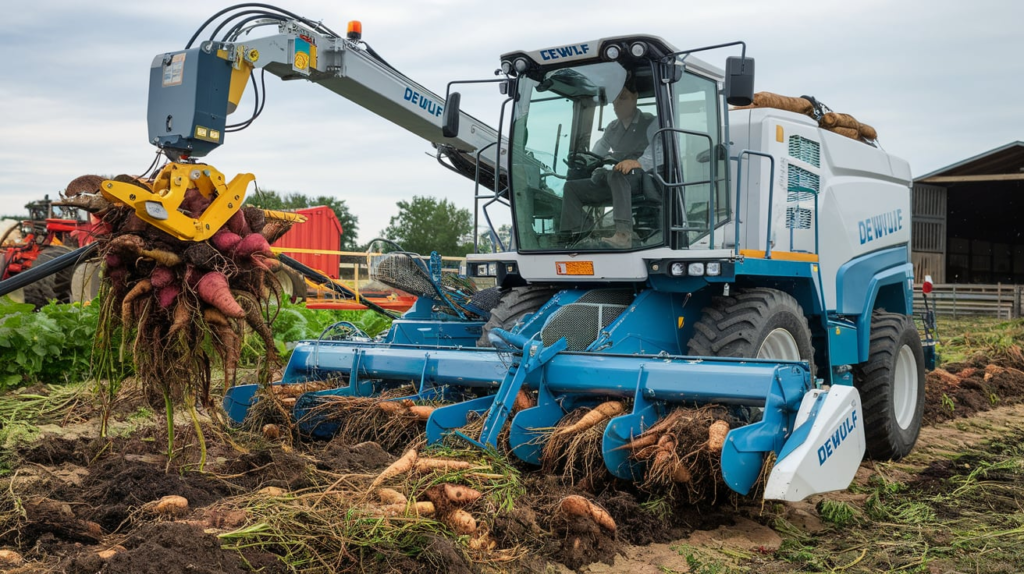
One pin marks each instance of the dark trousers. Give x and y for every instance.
(603, 185)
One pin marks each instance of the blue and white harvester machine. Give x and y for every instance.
(766, 267)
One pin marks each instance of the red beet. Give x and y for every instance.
(113, 261)
(166, 295)
(252, 244)
(225, 240)
(161, 277)
(238, 225)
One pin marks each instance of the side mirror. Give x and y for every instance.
(450, 119)
(739, 81)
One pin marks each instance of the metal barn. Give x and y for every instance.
(968, 219)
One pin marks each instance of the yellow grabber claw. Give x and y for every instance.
(159, 207)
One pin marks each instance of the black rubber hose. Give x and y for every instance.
(46, 269)
(341, 289)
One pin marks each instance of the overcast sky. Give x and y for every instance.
(941, 80)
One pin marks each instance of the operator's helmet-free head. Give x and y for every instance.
(625, 103)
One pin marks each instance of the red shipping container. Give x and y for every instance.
(321, 231)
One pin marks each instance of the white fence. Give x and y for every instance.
(1002, 301)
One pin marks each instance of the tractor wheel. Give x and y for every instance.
(293, 284)
(514, 304)
(56, 286)
(85, 281)
(755, 323)
(891, 386)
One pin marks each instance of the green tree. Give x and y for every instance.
(427, 224)
(268, 199)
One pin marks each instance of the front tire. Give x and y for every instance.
(514, 304)
(56, 286)
(891, 386)
(756, 323)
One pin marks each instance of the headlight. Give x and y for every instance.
(506, 67)
(714, 268)
(695, 269)
(612, 52)
(481, 270)
(492, 269)
(677, 269)
(522, 65)
(638, 49)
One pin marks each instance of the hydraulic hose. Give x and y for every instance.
(340, 289)
(46, 269)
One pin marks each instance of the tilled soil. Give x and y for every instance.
(82, 505)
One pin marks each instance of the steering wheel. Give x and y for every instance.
(587, 162)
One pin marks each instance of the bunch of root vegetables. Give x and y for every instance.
(173, 301)
(683, 449)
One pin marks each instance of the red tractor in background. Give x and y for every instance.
(51, 231)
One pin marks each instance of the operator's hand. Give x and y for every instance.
(627, 165)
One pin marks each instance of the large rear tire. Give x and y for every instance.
(891, 386)
(514, 304)
(85, 281)
(757, 323)
(56, 286)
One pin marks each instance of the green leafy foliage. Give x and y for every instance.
(53, 345)
(427, 224)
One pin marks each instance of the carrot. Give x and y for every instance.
(171, 505)
(421, 412)
(213, 288)
(391, 496)
(575, 505)
(126, 244)
(141, 288)
(600, 413)
(400, 466)
(460, 495)
(10, 558)
(418, 509)
(716, 435)
(161, 276)
(427, 465)
(226, 342)
(392, 407)
(274, 229)
(271, 432)
(461, 522)
(680, 473)
(641, 442)
(523, 401)
(165, 258)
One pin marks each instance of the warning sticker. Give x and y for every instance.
(174, 73)
(574, 267)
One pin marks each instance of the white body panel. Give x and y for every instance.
(863, 192)
(830, 455)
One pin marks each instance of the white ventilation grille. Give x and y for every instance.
(798, 218)
(805, 150)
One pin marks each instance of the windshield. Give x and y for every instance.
(583, 167)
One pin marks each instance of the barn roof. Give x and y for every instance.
(1003, 163)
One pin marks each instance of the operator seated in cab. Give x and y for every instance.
(626, 145)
